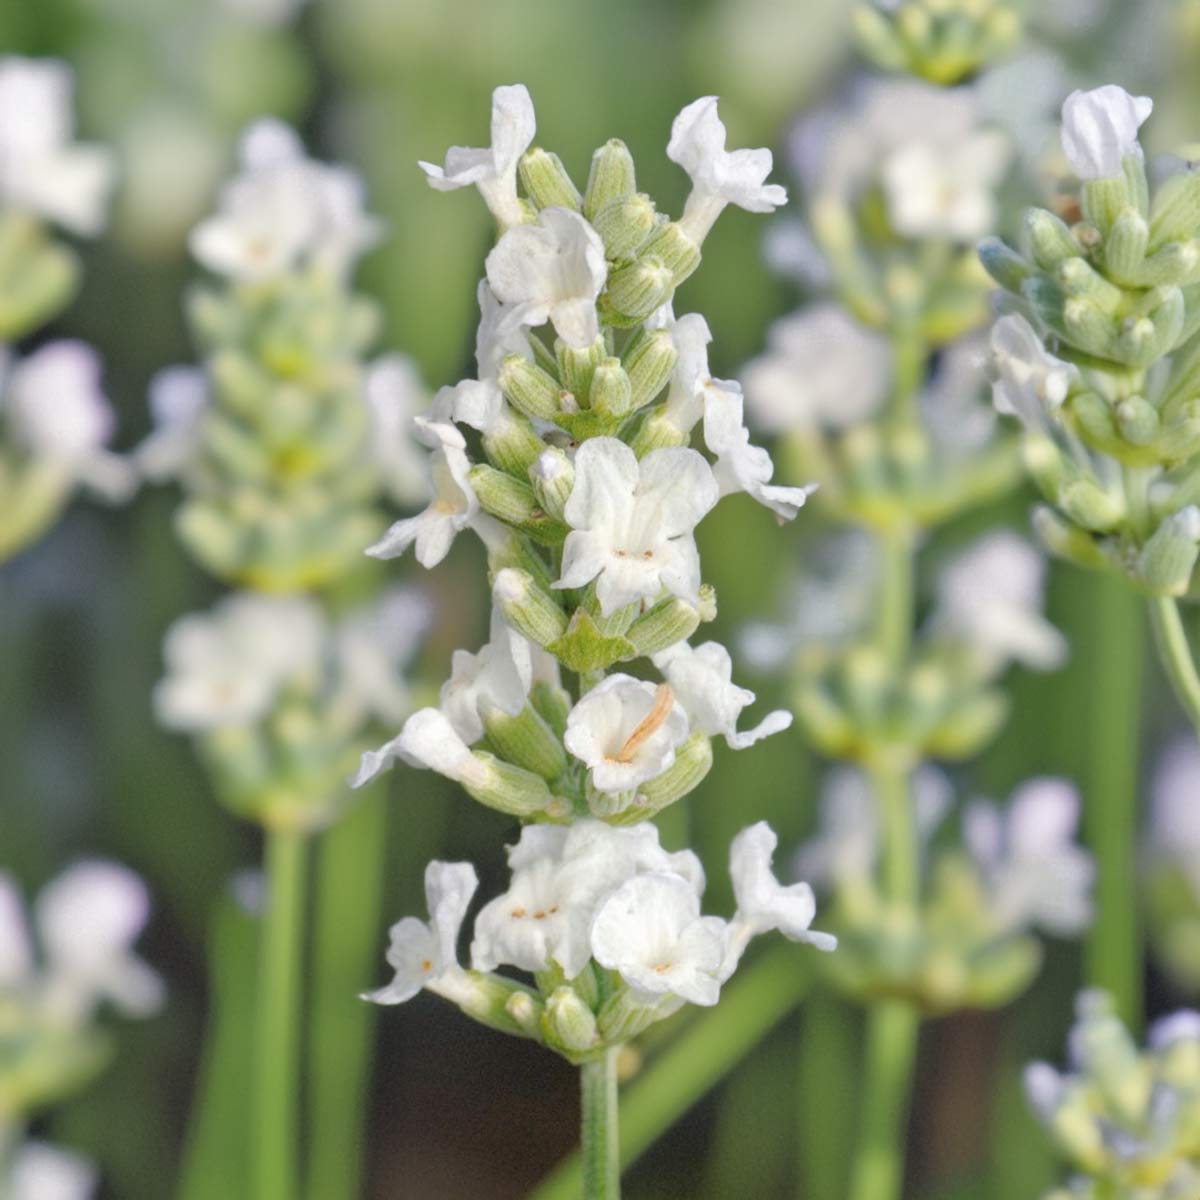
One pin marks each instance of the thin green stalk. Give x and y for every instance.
(599, 1132)
(1176, 655)
(277, 1042)
(346, 920)
(752, 1004)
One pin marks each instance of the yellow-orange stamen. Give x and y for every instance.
(664, 701)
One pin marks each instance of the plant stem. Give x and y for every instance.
(1176, 655)
(277, 1043)
(752, 1004)
(599, 1136)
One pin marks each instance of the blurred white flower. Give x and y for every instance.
(551, 270)
(179, 398)
(282, 211)
(226, 667)
(702, 679)
(493, 170)
(42, 170)
(421, 954)
(1100, 129)
(498, 677)
(990, 596)
(1029, 382)
(394, 395)
(821, 369)
(452, 508)
(39, 1171)
(719, 176)
(954, 411)
(1175, 809)
(627, 731)
(632, 522)
(1035, 872)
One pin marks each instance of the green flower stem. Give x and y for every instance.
(599, 1133)
(277, 1043)
(715, 1041)
(1176, 655)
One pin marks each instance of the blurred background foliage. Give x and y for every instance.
(379, 84)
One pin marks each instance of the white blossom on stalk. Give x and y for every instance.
(226, 667)
(39, 1171)
(423, 954)
(702, 679)
(763, 903)
(429, 741)
(626, 730)
(821, 369)
(1100, 129)
(690, 336)
(42, 169)
(1035, 872)
(394, 396)
(1175, 810)
(1029, 382)
(499, 677)
(179, 398)
(719, 176)
(741, 467)
(493, 170)
(990, 596)
(453, 507)
(54, 408)
(551, 270)
(284, 210)
(632, 522)
(651, 933)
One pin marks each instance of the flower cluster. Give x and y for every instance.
(1124, 1120)
(55, 422)
(588, 392)
(285, 442)
(52, 988)
(1092, 354)
(279, 697)
(968, 942)
(608, 923)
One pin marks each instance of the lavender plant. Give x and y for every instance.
(586, 498)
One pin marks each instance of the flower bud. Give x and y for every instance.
(624, 225)
(1066, 540)
(1089, 328)
(1004, 264)
(657, 432)
(611, 390)
(546, 181)
(1089, 505)
(527, 741)
(611, 178)
(529, 608)
(525, 1011)
(649, 359)
(635, 290)
(1049, 239)
(1168, 559)
(553, 477)
(693, 761)
(1137, 419)
(576, 367)
(669, 621)
(1125, 247)
(969, 726)
(1176, 213)
(1079, 278)
(503, 495)
(568, 1024)
(675, 249)
(529, 388)
(511, 443)
(505, 787)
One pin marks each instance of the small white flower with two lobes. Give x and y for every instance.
(493, 170)
(40, 1171)
(42, 170)
(282, 211)
(719, 176)
(87, 920)
(632, 522)
(454, 504)
(225, 668)
(701, 678)
(1035, 872)
(551, 270)
(179, 398)
(1030, 383)
(991, 597)
(394, 394)
(430, 742)
(1100, 130)
(425, 954)
(627, 731)
(821, 370)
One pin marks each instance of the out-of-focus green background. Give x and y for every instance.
(457, 1111)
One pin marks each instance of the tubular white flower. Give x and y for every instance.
(702, 679)
(627, 731)
(1036, 874)
(552, 270)
(719, 176)
(651, 932)
(632, 522)
(179, 398)
(1100, 128)
(991, 596)
(42, 171)
(499, 676)
(226, 667)
(493, 170)
(395, 395)
(427, 740)
(87, 921)
(690, 336)
(741, 467)
(1175, 813)
(39, 1171)
(421, 954)
(821, 369)
(763, 903)
(283, 210)
(452, 509)
(1030, 383)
